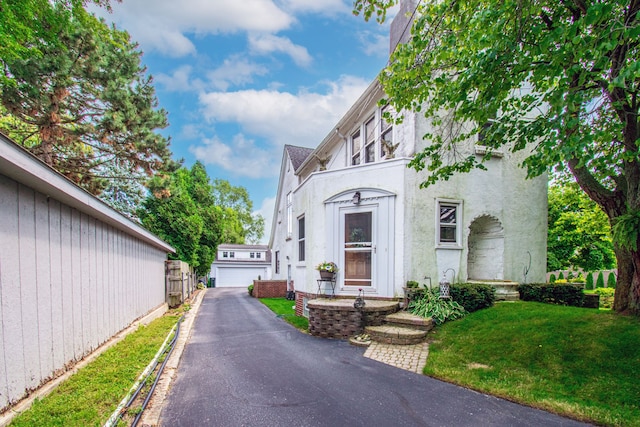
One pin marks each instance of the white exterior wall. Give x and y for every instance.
(502, 193)
(68, 281)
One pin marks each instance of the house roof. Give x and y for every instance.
(298, 154)
(248, 248)
(238, 247)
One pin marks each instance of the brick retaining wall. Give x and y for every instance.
(269, 288)
(337, 318)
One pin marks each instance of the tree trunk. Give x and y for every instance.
(627, 297)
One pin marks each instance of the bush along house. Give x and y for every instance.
(354, 201)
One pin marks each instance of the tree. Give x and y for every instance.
(558, 79)
(185, 216)
(239, 221)
(81, 100)
(578, 232)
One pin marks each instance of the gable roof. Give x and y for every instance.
(298, 154)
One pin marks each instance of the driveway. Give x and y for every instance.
(243, 366)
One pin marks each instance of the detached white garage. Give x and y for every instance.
(238, 266)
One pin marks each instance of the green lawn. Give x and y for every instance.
(89, 397)
(286, 309)
(578, 362)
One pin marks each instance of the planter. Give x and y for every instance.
(327, 275)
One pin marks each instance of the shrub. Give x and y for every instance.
(552, 293)
(250, 289)
(561, 275)
(552, 278)
(473, 296)
(611, 281)
(440, 310)
(606, 297)
(589, 283)
(600, 281)
(412, 284)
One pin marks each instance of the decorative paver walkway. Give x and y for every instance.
(409, 357)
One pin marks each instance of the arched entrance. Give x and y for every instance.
(485, 260)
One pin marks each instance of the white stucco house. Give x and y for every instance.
(240, 265)
(353, 200)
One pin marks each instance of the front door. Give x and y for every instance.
(359, 248)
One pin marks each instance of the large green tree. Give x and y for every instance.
(195, 215)
(579, 235)
(185, 216)
(241, 225)
(558, 78)
(81, 100)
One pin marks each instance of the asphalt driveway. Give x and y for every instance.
(243, 366)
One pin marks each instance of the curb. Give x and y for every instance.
(151, 415)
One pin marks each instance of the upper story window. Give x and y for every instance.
(232, 254)
(225, 254)
(386, 133)
(373, 140)
(258, 255)
(356, 147)
(448, 224)
(301, 237)
(252, 255)
(289, 215)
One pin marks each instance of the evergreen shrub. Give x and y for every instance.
(611, 281)
(600, 281)
(552, 293)
(589, 283)
(473, 296)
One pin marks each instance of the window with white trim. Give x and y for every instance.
(448, 223)
(289, 215)
(258, 255)
(301, 239)
(225, 254)
(372, 140)
(252, 255)
(232, 254)
(356, 146)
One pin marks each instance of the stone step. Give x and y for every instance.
(403, 318)
(398, 335)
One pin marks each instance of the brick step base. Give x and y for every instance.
(395, 334)
(402, 318)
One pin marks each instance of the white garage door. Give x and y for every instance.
(237, 277)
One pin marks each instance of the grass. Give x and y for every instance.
(286, 309)
(89, 397)
(577, 362)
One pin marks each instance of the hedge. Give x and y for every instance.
(473, 296)
(552, 293)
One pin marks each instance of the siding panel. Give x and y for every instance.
(28, 287)
(13, 378)
(43, 282)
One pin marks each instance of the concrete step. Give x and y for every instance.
(408, 320)
(398, 335)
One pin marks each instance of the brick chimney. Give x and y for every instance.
(400, 29)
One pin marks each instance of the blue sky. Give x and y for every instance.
(242, 78)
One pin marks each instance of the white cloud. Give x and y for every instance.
(282, 118)
(374, 44)
(161, 24)
(242, 157)
(327, 7)
(265, 44)
(180, 80)
(235, 70)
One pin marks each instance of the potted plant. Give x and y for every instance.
(327, 269)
